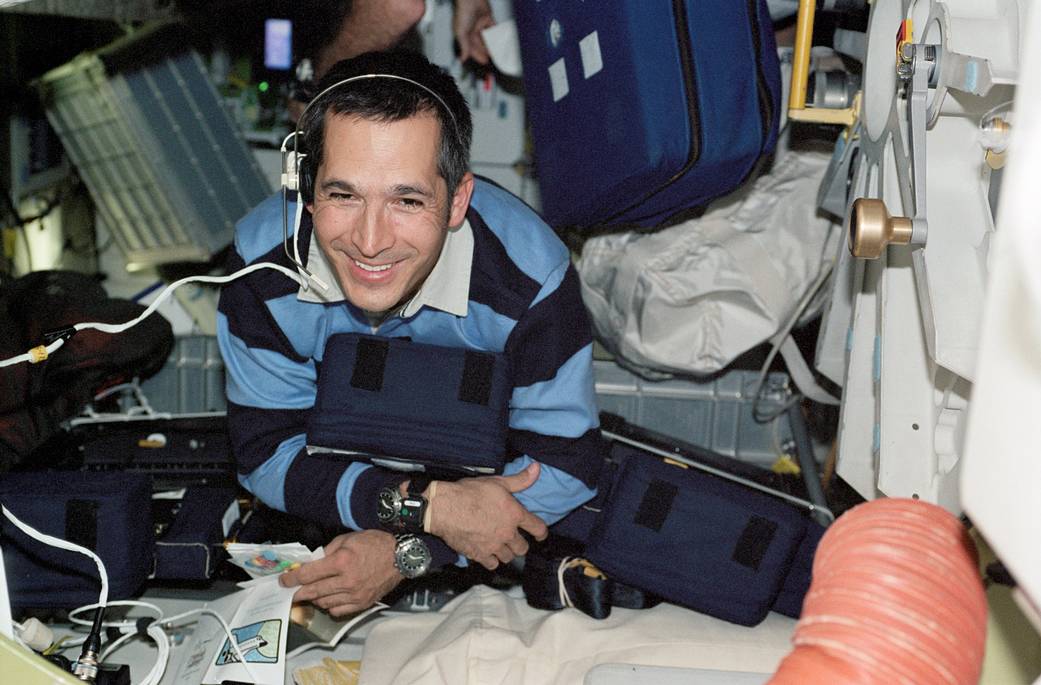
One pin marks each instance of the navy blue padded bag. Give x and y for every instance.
(108, 512)
(400, 403)
(695, 539)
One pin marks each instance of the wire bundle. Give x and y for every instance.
(896, 598)
(153, 628)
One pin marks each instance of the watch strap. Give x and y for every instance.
(418, 483)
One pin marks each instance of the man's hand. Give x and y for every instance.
(481, 519)
(357, 570)
(471, 17)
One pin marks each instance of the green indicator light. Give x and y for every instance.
(263, 86)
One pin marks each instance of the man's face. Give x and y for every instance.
(381, 210)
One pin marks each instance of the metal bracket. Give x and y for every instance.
(918, 67)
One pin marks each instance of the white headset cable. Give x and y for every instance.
(66, 545)
(42, 352)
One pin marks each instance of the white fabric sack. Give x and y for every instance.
(485, 636)
(691, 298)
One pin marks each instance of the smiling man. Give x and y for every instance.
(412, 246)
(381, 211)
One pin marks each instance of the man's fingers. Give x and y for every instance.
(505, 555)
(518, 546)
(310, 572)
(490, 563)
(478, 50)
(327, 602)
(321, 588)
(345, 609)
(521, 480)
(534, 526)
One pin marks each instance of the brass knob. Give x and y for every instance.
(871, 228)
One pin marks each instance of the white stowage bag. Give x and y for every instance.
(691, 298)
(485, 636)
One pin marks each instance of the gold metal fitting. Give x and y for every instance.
(871, 229)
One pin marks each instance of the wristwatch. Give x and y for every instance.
(397, 512)
(388, 506)
(411, 555)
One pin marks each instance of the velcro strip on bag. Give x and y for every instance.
(755, 540)
(655, 505)
(369, 364)
(476, 385)
(81, 523)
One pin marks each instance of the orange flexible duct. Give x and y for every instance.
(896, 598)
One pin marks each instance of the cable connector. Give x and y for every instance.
(38, 354)
(143, 624)
(63, 333)
(36, 635)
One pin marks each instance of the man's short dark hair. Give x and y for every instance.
(387, 100)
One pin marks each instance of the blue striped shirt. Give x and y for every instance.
(523, 300)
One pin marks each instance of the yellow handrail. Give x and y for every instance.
(797, 109)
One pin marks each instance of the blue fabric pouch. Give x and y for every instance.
(410, 405)
(696, 540)
(192, 546)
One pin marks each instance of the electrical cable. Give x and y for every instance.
(86, 666)
(44, 351)
(115, 603)
(779, 338)
(155, 631)
(63, 544)
(227, 631)
(896, 597)
(162, 643)
(159, 620)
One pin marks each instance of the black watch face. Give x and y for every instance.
(389, 506)
(413, 558)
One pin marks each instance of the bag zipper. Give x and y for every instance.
(679, 9)
(765, 105)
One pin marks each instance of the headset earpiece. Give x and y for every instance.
(306, 178)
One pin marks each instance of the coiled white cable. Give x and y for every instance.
(42, 352)
(155, 630)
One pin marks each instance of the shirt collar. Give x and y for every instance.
(446, 288)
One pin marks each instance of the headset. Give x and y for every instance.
(298, 177)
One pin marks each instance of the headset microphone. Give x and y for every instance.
(291, 182)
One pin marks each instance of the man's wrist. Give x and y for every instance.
(365, 494)
(428, 515)
(403, 508)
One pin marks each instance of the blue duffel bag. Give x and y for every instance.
(642, 110)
